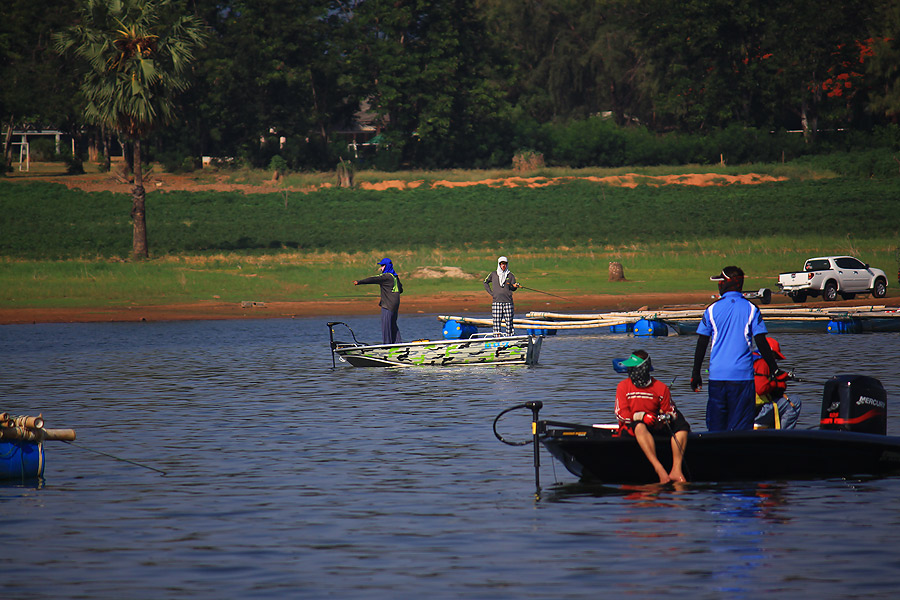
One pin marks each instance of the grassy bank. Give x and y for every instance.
(649, 268)
(62, 247)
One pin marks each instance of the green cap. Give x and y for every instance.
(633, 361)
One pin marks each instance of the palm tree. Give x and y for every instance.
(138, 55)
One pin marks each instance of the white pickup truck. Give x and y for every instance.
(833, 275)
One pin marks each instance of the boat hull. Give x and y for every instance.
(596, 455)
(21, 460)
(512, 350)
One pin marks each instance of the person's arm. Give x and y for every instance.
(513, 286)
(763, 345)
(665, 404)
(623, 410)
(374, 279)
(487, 284)
(699, 353)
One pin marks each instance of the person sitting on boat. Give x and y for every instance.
(391, 288)
(501, 284)
(774, 410)
(644, 407)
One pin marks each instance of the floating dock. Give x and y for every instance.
(839, 319)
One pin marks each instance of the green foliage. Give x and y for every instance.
(74, 164)
(42, 220)
(278, 164)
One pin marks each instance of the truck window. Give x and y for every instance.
(849, 263)
(816, 265)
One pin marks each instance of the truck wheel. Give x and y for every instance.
(880, 289)
(798, 297)
(829, 293)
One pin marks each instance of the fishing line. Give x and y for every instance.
(672, 433)
(137, 464)
(541, 292)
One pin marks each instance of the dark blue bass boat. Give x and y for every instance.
(851, 441)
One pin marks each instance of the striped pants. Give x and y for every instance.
(502, 313)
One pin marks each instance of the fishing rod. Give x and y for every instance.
(114, 457)
(541, 292)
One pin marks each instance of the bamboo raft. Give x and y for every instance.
(796, 319)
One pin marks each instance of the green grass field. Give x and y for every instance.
(61, 247)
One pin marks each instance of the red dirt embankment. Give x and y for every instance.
(473, 304)
(104, 182)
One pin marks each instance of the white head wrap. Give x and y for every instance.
(500, 272)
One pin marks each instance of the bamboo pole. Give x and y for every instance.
(21, 434)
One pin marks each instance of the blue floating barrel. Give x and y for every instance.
(539, 331)
(621, 328)
(454, 330)
(845, 326)
(21, 460)
(647, 327)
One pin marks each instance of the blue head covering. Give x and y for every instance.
(388, 266)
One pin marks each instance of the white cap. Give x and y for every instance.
(502, 259)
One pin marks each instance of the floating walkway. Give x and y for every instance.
(842, 319)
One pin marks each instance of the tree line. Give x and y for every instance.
(469, 83)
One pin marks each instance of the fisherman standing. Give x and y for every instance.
(501, 284)
(731, 325)
(391, 288)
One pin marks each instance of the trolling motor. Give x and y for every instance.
(333, 344)
(854, 403)
(535, 407)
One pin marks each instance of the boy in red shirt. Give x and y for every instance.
(644, 407)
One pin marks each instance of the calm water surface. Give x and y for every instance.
(287, 479)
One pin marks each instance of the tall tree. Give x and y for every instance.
(883, 66)
(34, 88)
(572, 58)
(270, 70)
(138, 56)
(426, 67)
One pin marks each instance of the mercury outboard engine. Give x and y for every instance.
(854, 403)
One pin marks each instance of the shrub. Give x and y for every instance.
(527, 160)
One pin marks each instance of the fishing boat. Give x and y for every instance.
(478, 350)
(850, 441)
(22, 446)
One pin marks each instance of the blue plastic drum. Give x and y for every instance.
(845, 326)
(454, 330)
(647, 327)
(21, 460)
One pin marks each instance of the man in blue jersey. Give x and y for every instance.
(730, 325)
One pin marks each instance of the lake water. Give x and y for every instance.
(285, 478)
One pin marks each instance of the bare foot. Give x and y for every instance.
(677, 476)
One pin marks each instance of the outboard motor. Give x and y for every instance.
(854, 403)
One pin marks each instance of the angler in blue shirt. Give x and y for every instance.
(730, 326)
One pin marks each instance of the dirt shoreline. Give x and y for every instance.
(461, 304)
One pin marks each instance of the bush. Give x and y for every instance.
(278, 165)
(527, 160)
(74, 164)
